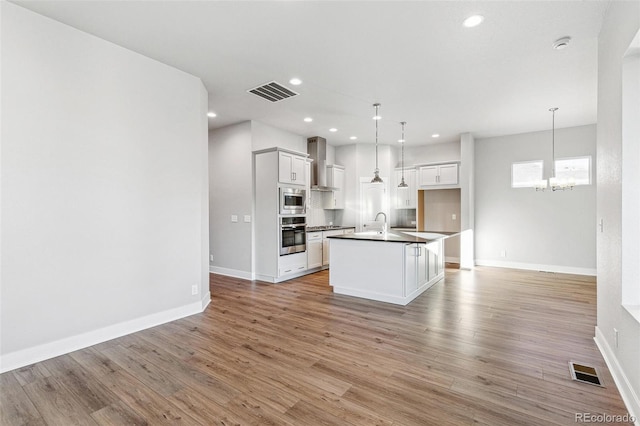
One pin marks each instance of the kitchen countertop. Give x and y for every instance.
(396, 236)
(327, 228)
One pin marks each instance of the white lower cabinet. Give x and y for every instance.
(292, 264)
(415, 267)
(314, 249)
(435, 262)
(325, 244)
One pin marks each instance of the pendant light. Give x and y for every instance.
(402, 183)
(555, 183)
(376, 172)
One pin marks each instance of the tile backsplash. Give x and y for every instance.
(316, 215)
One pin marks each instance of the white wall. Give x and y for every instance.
(103, 190)
(620, 25)
(431, 153)
(231, 190)
(265, 136)
(230, 193)
(359, 162)
(551, 231)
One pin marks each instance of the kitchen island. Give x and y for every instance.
(394, 267)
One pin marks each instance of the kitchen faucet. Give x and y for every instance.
(384, 227)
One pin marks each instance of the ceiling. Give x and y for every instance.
(415, 58)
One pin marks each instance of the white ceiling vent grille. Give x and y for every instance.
(273, 92)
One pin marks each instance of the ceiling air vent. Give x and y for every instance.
(273, 92)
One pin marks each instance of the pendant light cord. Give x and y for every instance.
(553, 142)
(377, 105)
(402, 148)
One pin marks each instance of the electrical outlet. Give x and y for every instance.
(211, 257)
(615, 333)
(194, 290)
(453, 216)
(503, 253)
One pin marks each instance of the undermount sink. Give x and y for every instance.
(378, 233)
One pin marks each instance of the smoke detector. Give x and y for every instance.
(561, 43)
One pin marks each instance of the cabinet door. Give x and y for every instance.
(338, 182)
(335, 178)
(433, 251)
(298, 166)
(400, 199)
(285, 167)
(291, 168)
(448, 174)
(314, 254)
(410, 271)
(422, 265)
(428, 175)
(410, 179)
(406, 197)
(325, 252)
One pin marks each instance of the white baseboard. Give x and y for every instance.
(28, 356)
(235, 273)
(206, 299)
(629, 396)
(537, 267)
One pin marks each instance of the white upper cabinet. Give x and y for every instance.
(448, 174)
(406, 197)
(291, 168)
(335, 179)
(441, 174)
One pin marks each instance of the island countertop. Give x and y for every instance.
(396, 236)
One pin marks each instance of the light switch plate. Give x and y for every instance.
(234, 218)
(453, 216)
(247, 218)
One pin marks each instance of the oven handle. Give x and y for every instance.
(292, 226)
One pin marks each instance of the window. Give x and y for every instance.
(576, 170)
(526, 174)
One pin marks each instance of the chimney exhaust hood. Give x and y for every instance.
(317, 149)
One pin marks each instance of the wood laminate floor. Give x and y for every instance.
(489, 346)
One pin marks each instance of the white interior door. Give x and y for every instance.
(374, 198)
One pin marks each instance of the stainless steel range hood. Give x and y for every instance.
(317, 149)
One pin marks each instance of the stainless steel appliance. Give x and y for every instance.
(293, 234)
(292, 200)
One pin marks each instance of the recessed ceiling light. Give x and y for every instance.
(211, 114)
(353, 138)
(473, 21)
(561, 43)
(435, 135)
(308, 119)
(295, 81)
(333, 129)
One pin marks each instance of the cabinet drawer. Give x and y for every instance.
(291, 269)
(292, 263)
(314, 236)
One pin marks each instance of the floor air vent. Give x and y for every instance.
(584, 373)
(273, 92)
